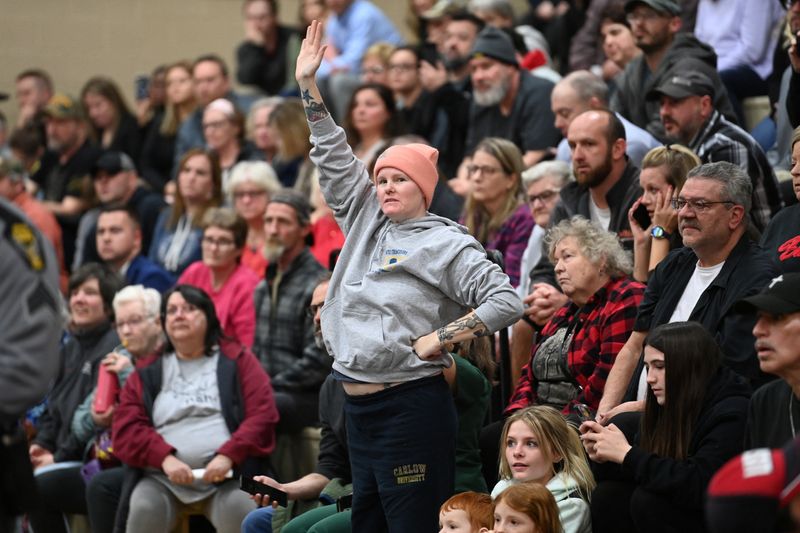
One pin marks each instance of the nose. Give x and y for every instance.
(651, 378)
(760, 329)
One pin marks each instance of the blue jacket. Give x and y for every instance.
(143, 271)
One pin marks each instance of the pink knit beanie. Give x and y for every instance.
(417, 161)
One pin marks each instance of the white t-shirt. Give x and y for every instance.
(598, 215)
(701, 278)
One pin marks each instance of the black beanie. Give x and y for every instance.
(493, 42)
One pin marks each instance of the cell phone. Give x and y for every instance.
(344, 503)
(142, 87)
(642, 217)
(583, 412)
(429, 53)
(252, 486)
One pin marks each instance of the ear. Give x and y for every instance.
(618, 149)
(737, 215)
(675, 24)
(596, 103)
(706, 106)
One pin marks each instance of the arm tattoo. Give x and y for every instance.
(315, 111)
(469, 322)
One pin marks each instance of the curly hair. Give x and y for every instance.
(599, 246)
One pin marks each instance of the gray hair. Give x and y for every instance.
(559, 170)
(595, 243)
(587, 86)
(736, 184)
(150, 298)
(259, 173)
(504, 8)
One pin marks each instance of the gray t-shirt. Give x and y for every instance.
(187, 413)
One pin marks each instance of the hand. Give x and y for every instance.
(543, 301)
(432, 76)
(217, 469)
(604, 443)
(610, 70)
(102, 420)
(665, 215)
(177, 471)
(263, 500)
(40, 456)
(428, 347)
(252, 33)
(625, 407)
(115, 362)
(311, 53)
(640, 235)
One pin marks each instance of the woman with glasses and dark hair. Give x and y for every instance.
(193, 420)
(652, 468)
(494, 211)
(664, 171)
(222, 276)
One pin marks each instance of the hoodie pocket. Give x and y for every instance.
(366, 344)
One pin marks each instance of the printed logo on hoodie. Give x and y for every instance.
(391, 257)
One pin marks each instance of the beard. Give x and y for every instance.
(493, 95)
(595, 176)
(318, 340)
(273, 250)
(455, 63)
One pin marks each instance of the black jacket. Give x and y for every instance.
(747, 270)
(716, 437)
(80, 359)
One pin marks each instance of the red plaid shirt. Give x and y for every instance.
(603, 326)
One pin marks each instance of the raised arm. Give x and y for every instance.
(308, 61)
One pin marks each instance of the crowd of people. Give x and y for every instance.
(212, 271)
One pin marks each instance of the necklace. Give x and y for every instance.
(791, 415)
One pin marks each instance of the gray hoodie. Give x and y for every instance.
(395, 282)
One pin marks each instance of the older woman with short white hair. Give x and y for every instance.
(249, 190)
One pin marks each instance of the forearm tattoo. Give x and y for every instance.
(468, 323)
(315, 111)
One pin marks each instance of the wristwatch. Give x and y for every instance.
(659, 233)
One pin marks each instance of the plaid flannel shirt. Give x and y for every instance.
(285, 333)
(720, 140)
(602, 327)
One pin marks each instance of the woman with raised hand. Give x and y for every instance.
(399, 298)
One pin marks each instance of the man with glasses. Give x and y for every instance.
(655, 25)
(701, 282)
(689, 117)
(284, 342)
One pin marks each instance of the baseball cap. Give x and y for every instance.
(662, 6)
(780, 297)
(680, 86)
(113, 162)
(295, 200)
(493, 42)
(64, 107)
(746, 493)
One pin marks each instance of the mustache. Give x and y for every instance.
(760, 344)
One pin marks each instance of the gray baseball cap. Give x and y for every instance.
(662, 6)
